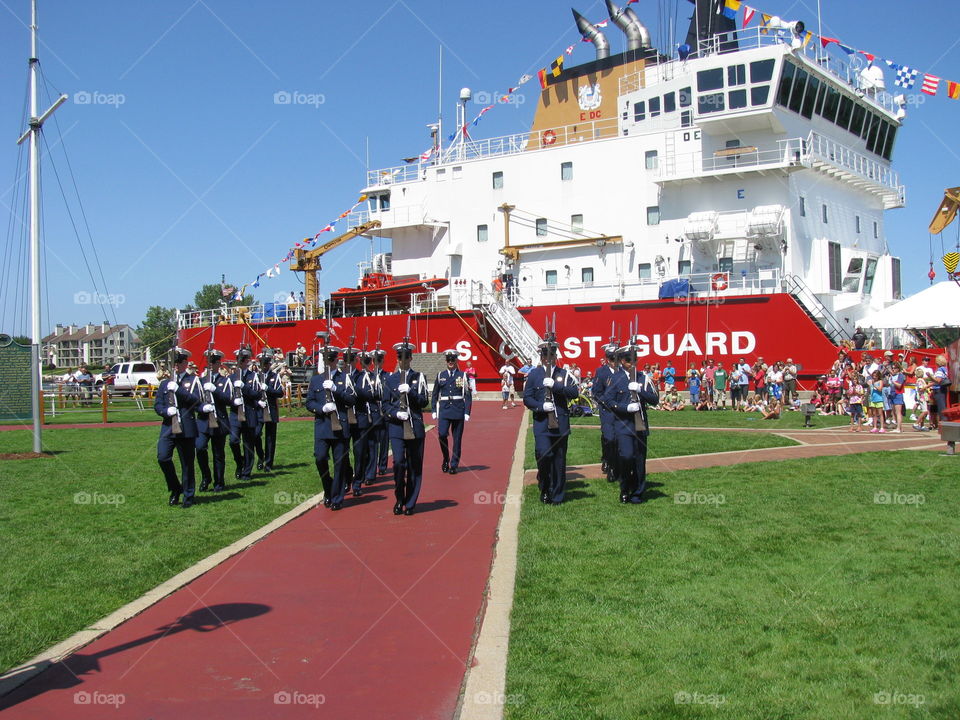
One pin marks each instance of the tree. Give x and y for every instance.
(22, 339)
(159, 330)
(209, 296)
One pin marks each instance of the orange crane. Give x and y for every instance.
(308, 262)
(947, 210)
(513, 251)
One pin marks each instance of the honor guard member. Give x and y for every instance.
(271, 390)
(177, 398)
(374, 385)
(213, 423)
(451, 403)
(328, 397)
(601, 382)
(405, 398)
(360, 435)
(382, 434)
(628, 396)
(546, 392)
(244, 414)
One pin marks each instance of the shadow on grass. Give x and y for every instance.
(69, 672)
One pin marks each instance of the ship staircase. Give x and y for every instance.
(815, 310)
(503, 317)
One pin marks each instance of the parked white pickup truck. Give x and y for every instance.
(130, 376)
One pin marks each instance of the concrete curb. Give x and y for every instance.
(483, 694)
(19, 675)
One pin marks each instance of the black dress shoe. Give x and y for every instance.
(336, 506)
(237, 474)
(444, 466)
(174, 499)
(544, 497)
(260, 465)
(453, 471)
(327, 502)
(219, 488)
(398, 509)
(624, 498)
(188, 502)
(204, 485)
(357, 492)
(408, 511)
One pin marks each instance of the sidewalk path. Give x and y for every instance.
(349, 614)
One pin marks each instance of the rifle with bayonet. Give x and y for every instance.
(348, 360)
(262, 381)
(237, 392)
(408, 433)
(212, 421)
(550, 335)
(639, 422)
(175, 427)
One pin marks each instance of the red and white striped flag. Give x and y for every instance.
(748, 13)
(931, 83)
(570, 50)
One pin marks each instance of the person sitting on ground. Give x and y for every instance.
(752, 404)
(773, 410)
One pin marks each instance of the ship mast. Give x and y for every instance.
(33, 133)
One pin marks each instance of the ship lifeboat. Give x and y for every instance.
(377, 286)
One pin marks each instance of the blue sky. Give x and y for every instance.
(188, 169)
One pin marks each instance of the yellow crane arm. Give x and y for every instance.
(947, 210)
(308, 262)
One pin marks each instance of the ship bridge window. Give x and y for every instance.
(845, 111)
(654, 107)
(813, 91)
(799, 86)
(639, 111)
(831, 104)
(669, 102)
(761, 71)
(833, 264)
(856, 124)
(851, 281)
(869, 276)
(759, 95)
(725, 264)
(895, 277)
(710, 103)
(737, 99)
(736, 75)
(686, 97)
(708, 80)
(786, 83)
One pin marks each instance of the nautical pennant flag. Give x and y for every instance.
(542, 77)
(748, 13)
(807, 38)
(524, 79)
(906, 77)
(950, 262)
(824, 40)
(931, 83)
(569, 50)
(764, 21)
(556, 67)
(847, 49)
(730, 9)
(953, 90)
(869, 56)
(426, 155)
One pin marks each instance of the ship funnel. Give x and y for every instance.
(638, 37)
(590, 32)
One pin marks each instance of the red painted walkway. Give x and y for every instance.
(349, 614)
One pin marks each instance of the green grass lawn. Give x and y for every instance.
(70, 562)
(583, 447)
(822, 588)
(731, 419)
(119, 412)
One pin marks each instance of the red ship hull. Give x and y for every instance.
(774, 327)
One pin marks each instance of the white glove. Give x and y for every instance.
(633, 407)
(238, 401)
(433, 416)
(171, 411)
(262, 403)
(466, 418)
(209, 387)
(403, 387)
(548, 382)
(329, 407)
(208, 408)
(548, 407)
(172, 386)
(238, 383)
(403, 415)
(634, 387)
(328, 384)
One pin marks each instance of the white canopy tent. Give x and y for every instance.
(936, 307)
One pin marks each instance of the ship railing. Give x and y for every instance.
(500, 310)
(257, 313)
(819, 147)
(499, 146)
(820, 312)
(788, 152)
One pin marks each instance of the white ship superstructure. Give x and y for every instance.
(764, 169)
